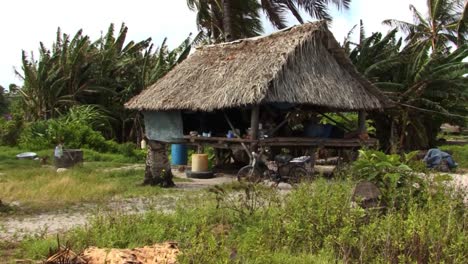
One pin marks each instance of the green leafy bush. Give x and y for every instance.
(47, 134)
(76, 129)
(395, 175)
(10, 131)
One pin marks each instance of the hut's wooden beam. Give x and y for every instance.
(237, 135)
(362, 122)
(254, 124)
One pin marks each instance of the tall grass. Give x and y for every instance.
(314, 224)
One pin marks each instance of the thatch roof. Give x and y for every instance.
(303, 64)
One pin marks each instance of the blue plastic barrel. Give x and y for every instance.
(318, 130)
(179, 154)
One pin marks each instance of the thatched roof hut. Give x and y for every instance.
(301, 65)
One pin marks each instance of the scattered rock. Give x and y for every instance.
(284, 186)
(15, 203)
(269, 183)
(61, 170)
(366, 194)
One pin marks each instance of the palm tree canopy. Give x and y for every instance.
(245, 15)
(445, 23)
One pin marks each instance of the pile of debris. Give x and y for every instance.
(157, 254)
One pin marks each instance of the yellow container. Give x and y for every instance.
(199, 162)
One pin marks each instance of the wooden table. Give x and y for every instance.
(224, 147)
(222, 142)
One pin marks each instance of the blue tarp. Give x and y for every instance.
(434, 158)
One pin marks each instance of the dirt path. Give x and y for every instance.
(16, 228)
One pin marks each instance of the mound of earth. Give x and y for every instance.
(156, 254)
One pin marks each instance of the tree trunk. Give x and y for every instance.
(393, 138)
(227, 22)
(158, 169)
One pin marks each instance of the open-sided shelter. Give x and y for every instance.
(299, 66)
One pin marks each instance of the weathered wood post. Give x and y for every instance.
(254, 126)
(362, 122)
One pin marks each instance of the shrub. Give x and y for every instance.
(35, 136)
(395, 175)
(10, 131)
(47, 134)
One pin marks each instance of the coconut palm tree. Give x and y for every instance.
(238, 19)
(446, 23)
(421, 84)
(242, 19)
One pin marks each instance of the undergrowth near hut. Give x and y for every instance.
(459, 153)
(315, 223)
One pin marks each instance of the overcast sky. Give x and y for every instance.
(24, 23)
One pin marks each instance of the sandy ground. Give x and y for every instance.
(460, 180)
(15, 228)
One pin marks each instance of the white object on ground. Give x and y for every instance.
(26, 155)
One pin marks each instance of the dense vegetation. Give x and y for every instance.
(315, 223)
(74, 92)
(100, 75)
(426, 75)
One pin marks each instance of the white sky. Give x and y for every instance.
(24, 23)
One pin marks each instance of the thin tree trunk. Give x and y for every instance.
(393, 136)
(212, 25)
(227, 22)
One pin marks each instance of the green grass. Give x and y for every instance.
(460, 154)
(313, 224)
(39, 188)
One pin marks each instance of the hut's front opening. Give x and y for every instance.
(295, 129)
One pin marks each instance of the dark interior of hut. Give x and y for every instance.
(297, 130)
(279, 120)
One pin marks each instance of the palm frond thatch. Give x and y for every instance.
(302, 65)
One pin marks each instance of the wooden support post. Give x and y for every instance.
(237, 135)
(200, 149)
(254, 123)
(362, 122)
